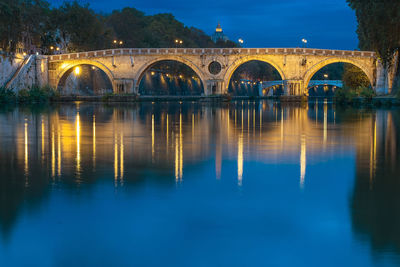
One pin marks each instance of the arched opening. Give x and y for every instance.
(170, 77)
(340, 75)
(255, 78)
(85, 80)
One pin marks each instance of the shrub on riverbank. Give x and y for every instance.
(37, 94)
(6, 95)
(347, 95)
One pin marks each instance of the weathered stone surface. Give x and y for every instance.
(126, 67)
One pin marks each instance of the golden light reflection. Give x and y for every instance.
(115, 159)
(325, 121)
(59, 153)
(180, 148)
(303, 160)
(26, 142)
(78, 144)
(43, 133)
(167, 133)
(94, 141)
(122, 159)
(176, 159)
(152, 137)
(53, 154)
(240, 160)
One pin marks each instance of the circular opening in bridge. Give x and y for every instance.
(256, 78)
(86, 80)
(214, 68)
(333, 77)
(169, 77)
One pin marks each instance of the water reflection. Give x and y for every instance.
(80, 145)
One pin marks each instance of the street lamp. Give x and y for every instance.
(304, 42)
(241, 42)
(326, 76)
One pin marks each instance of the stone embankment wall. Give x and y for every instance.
(8, 66)
(21, 72)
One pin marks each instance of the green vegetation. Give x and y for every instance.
(379, 29)
(36, 94)
(6, 95)
(348, 95)
(72, 27)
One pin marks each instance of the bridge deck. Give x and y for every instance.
(212, 51)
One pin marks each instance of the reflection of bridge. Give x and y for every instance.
(215, 67)
(312, 83)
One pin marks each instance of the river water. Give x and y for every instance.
(199, 184)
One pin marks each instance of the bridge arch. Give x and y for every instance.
(68, 67)
(315, 68)
(237, 63)
(143, 69)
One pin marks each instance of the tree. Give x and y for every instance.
(78, 28)
(378, 26)
(354, 77)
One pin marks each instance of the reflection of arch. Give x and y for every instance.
(314, 69)
(67, 69)
(232, 68)
(182, 60)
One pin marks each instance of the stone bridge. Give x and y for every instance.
(215, 67)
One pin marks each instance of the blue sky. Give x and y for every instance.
(261, 23)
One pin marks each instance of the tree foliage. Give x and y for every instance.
(378, 26)
(74, 27)
(354, 77)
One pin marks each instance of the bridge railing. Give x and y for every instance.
(211, 51)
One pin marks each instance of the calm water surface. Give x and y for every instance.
(196, 184)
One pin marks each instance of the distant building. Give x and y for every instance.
(219, 35)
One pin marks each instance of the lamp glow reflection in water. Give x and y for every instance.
(78, 144)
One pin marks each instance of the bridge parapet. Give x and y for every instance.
(214, 66)
(211, 51)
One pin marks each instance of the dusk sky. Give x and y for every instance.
(261, 23)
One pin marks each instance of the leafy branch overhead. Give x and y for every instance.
(378, 26)
(72, 27)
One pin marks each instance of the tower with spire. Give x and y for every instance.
(219, 35)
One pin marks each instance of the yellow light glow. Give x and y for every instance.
(58, 49)
(94, 141)
(51, 47)
(26, 149)
(78, 144)
(77, 70)
(122, 159)
(303, 160)
(115, 160)
(240, 160)
(152, 137)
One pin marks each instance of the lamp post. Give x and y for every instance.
(304, 41)
(241, 42)
(178, 42)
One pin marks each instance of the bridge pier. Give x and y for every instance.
(214, 87)
(293, 87)
(124, 86)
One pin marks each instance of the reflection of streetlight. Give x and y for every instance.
(304, 42)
